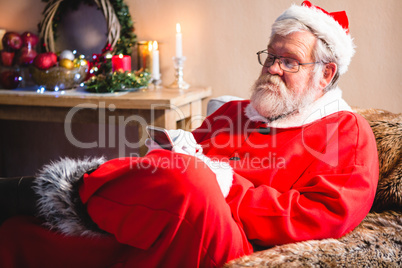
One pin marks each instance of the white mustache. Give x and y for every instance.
(269, 82)
(272, 98)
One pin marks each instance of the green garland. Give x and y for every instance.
(117, 81)
(127, 37)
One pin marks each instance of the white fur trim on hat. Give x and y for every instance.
(326, 29)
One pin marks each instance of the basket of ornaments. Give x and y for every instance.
(61, 72)
(20, 62)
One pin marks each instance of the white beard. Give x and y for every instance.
(273, 99)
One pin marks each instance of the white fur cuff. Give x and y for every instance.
(223, 172)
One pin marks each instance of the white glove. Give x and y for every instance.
(184, 142)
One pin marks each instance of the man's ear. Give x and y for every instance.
(328, 74)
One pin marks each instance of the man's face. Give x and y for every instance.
(276, 92)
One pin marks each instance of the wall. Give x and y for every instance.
(220, 39)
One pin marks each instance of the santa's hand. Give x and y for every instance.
(152, 145)
(184, 142)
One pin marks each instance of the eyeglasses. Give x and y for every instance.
(286, 64)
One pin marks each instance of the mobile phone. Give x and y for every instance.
(160, 136)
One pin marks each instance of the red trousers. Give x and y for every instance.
(158, 216)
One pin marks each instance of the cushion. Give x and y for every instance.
(215, 103)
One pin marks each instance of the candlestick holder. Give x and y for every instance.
(179, 82)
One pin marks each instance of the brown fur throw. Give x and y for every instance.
(387, 128)
(377, 241)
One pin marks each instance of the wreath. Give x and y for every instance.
(120, 40)
(120, 26)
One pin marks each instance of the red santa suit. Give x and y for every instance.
(312, 175)
(308, 176)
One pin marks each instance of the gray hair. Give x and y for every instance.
(321, 52)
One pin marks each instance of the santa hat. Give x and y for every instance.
(332, 28)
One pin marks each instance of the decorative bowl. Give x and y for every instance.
(59, 78)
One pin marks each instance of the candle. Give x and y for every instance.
(149, 58)
(143, 55)
(121, 63)
(179, 49)
(2, 33)
(155, 61)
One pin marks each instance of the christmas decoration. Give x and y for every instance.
(29, 39)
(7, 57)
(9, 78)
(118, 81)
(58, 77)
(58, 73)
(18, 49)
(12, 41)
(67, 54)
(17, 53)
(80, 62)
(27, 55)
(120, 37)
(66, 63)
(101, 63)
(45, 60)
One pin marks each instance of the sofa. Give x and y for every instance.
(377, 241)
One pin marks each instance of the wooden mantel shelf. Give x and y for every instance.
(165, 108)
(142, 99)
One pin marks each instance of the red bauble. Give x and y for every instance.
(9, 79)
(45, 60)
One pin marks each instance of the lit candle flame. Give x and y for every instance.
(120, 56)
(155, 45)
(178, 28)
